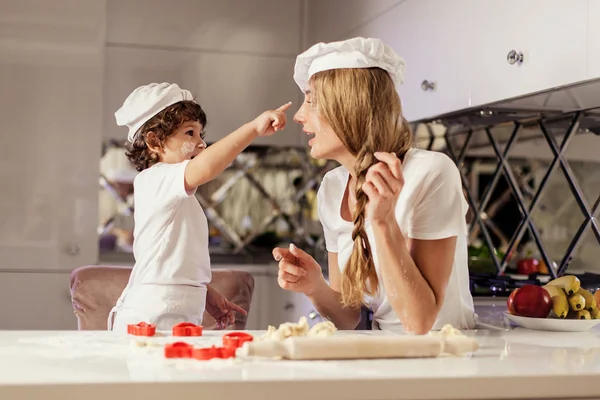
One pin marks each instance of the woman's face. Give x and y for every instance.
(324, 144)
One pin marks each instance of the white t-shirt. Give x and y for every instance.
(431, 206)
(171, 231)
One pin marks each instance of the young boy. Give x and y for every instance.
(169, 283)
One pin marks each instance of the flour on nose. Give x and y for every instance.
(187, 148)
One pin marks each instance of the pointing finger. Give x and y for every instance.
(235, 307)
(285, 107)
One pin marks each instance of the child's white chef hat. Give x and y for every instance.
(357, 52)
(147, 101)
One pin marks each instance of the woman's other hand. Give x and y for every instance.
(298, 271)
(383, 184)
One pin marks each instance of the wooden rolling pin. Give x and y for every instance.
(358, 347)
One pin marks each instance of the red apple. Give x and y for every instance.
(532, 301)
(510, 302)
(528, 266)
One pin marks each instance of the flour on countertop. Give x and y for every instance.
(291, 329)
(447, 331)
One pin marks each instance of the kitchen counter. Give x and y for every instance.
(513, 363)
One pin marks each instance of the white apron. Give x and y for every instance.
(163, 305)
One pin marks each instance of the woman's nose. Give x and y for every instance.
(299, 116)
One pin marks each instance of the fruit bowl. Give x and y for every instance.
(553, 324)
(561, 305)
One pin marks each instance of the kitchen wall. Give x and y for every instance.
(332, 20)
(236, 57)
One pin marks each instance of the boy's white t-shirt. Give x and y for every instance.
(171, 231)
(431, 206)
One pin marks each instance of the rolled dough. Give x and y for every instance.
(358, 347)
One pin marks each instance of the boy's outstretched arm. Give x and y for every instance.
(215, 158)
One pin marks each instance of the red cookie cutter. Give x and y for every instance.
(178, 350)
(187, 329)
(233, 340)
(141, 329)
(208, 353)
(227, 352)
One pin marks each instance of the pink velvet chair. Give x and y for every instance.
(96, 288)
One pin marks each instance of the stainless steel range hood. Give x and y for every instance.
(581, 96)
(577, 97)
(556, 105)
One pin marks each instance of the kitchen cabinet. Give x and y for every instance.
(272, 305)
(51, 82)
(550, 35)
(465, 53)
(287, 306)
(36, 301)
(593, 39)
(435, 40)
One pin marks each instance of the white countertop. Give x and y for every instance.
(101, 365)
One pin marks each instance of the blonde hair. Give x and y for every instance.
(363, 108)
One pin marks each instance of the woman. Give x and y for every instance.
(393, 216)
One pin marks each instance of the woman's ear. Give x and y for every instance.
(153, 143)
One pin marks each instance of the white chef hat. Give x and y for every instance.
(147, 101)
(357, 52)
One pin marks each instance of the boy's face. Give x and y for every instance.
(184, 144)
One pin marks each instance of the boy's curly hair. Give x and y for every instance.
(163, 125)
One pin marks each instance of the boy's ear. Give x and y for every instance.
(153, 142)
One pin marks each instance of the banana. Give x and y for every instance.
(560, 304)
(577, 302)
(590, 301)
(595, 313)
(581, 314)
(570, 283)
